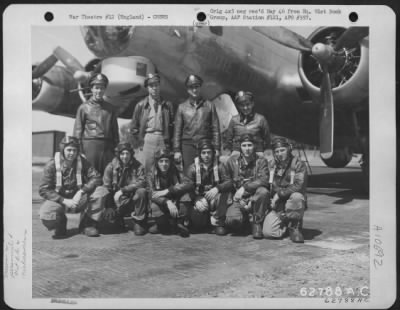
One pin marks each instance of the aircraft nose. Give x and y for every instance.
(106, 41)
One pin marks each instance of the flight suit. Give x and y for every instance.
(195, 121)
(289, 181)
(158, 210)
(253, 176)
(96, 127)
(53, 210)
(131, 180)
(198, 180)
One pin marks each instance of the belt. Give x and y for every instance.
(154, 133)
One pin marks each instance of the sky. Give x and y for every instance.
(44, 40)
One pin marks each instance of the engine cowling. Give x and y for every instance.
(339, 159)
(350, 74)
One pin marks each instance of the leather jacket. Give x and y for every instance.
(127, 179)
(237, 173)
(96, 121)
(140, 118)
(289, 178)
(195, 123)
(255, 125)
(47, 189)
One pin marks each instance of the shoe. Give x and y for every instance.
(88, 227)
(257, 231)
(220, 231)
(60, 231)
(295, 233)
(182, 230)
(154, 229)
(91, 231)
(139, 228)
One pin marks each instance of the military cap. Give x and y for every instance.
(69, 141)
(193, 80)
(98, 78)
(205, 144)
(280, 142)
(162, 153)
(122, 146)
(152, 78)
(246, 137)
(243, 96)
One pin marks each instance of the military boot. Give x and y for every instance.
(88, 227)
(180, 228)
(295, 231)
(257, 228)
(139, 227)
(220, 231)
(60, 231)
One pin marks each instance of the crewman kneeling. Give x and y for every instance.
(125, 179)
(246, 177)
(167, 213)
(69, 184)
(288, 178)
(202, 180)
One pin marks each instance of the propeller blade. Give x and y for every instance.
(68, 60)
(44, 66)
(326, 117)
(351, 37)
(285, 37)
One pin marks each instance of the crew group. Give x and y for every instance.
(181, 186)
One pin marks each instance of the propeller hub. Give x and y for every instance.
(323, 53)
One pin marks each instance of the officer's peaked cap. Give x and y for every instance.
(98, 78)
(193, 80)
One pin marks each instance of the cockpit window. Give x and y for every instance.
(106, 41)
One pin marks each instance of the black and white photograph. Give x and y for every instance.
(201, 156)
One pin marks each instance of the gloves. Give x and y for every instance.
(201, 205)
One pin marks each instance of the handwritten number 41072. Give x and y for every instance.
(378, 250)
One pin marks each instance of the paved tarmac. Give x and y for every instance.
(335, 253)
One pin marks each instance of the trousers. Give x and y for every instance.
(98, 152)
(234, 216)
(50, 210)
(152, 143)
(134, 205)
(293, 207)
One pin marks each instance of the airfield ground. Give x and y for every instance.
(335, 253)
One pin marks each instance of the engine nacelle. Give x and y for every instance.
(349, 78)
(52, 93)
(339, 159)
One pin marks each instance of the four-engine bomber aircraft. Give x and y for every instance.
(313, 90)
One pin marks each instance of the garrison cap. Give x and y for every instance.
(122, 146)
(98, 78)
(246, 137)
(205, 144)
(69, 141)
(152, 78)
(280, 142)
(243, 96)
(193, 80)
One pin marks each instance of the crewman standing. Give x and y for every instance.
(288, 179)
(69, 184)
(96, 125)
(153, 121)
(196, 119)
(247, 121)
